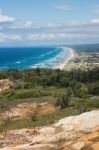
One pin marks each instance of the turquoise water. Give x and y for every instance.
(21, 58)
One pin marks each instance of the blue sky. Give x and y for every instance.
(42, 22)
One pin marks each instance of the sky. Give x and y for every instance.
(48, 22)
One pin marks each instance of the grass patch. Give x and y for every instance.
(76, 107)
(11, 98)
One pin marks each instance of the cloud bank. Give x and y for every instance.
(22, 32)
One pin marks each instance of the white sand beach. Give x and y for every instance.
(62, 65)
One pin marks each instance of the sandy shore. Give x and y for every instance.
(62, 65)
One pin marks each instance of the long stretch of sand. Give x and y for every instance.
(62, 65)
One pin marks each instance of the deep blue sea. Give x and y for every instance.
(21, 58)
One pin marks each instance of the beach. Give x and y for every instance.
(71, 56)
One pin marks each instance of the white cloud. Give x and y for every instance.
(15, 37)
(28, 24)
(96, 8)
(42, 36)
(56, 36)
(21, 25)
(2, 37)
(7, 38)
(52, 25)
(64, 7)
(6, 19)
(95, 21)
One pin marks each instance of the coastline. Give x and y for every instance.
(62, 65)
(60, 61)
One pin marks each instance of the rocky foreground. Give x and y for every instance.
(71, 133)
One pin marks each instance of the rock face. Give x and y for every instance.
(5, 84)
(71, 133)
(26, 110)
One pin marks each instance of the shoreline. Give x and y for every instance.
(62, 65)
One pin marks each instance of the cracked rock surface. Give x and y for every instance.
(72, 133)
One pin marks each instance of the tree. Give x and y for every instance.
(94, 88)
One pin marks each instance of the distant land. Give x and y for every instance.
(86, 47)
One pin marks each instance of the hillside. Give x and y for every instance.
(33, 103)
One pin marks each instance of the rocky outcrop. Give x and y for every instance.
(26, 110)
(71, 133)
(5, 84)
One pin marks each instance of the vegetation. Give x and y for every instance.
(63, 101)
(73, 92)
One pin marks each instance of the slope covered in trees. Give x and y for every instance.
(71, 92)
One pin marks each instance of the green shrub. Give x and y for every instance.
(82, 92)
(63, 101)
(94, 88)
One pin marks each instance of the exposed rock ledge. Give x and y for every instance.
(5, 84)
(71, 133)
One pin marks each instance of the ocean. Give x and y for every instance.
(33, 57)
